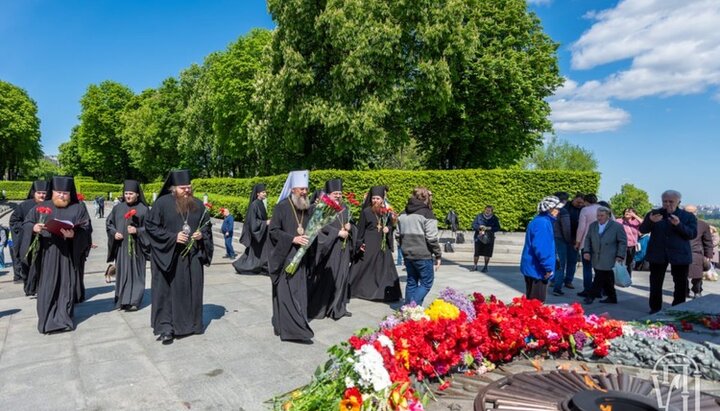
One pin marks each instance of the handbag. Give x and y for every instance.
(484, 237)
(622, 277)
(711, 274)
(460, 238)
(110, 274)
(448, 248)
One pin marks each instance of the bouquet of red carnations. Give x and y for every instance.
(131, 238)
(325, 212)
(35, 245)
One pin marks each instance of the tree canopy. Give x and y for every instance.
(19, 131)
(630, 197)
(560, 155)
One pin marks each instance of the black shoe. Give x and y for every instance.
(569, 285)
(583, 294)
(301, 341)
(484, 270)
(347, 314)
(609, 301)
(474, 268)
(166, 338)
(588, 300)
(558, 293)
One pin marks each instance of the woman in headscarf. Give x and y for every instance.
(373, 275)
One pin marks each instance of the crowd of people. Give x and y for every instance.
(316, 268)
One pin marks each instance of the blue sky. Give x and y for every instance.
(642, 90)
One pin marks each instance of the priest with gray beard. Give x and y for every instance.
(176, 220)
(287, 235)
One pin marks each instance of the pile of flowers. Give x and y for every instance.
(387, 368)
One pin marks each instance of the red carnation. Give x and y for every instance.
(44, 210)
(330, 203)
(80, 197)
(130, 214)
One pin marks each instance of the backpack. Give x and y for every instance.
(448, 248)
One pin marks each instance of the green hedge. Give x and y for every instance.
(513, 193)
(17, 190)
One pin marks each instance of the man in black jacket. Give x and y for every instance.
(671, 230)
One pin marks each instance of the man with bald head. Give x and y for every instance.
(671, 229)
(702, 253)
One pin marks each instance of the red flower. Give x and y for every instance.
(44, 210)
(130, 214)
(351, 199)
(80, 197)
(444, 386)
(356, 342)
(208, 205)
(331, 203)
(686, 326)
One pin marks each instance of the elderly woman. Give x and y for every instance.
(605, 244)
(537, 263)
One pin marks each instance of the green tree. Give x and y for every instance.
(152, 122)
(69, 157)
(196, 141)
(19, 131)
(630, 197)
(99, 141)
(42, 169)
(346, 79)
(560, 155)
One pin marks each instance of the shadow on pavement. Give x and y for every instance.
(92, 292)
(212, 312)
(9, 312)
(87, 309)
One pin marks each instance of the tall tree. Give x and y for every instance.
(346, 79)
(631, 197)
(152, 122)
(560, 155)
(69, 157)
(99, 140)
(19, 131)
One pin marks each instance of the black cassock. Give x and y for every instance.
(289, 292)
(373, 275)
(20, 266)
(80, 284)
(59, 262)
(254, 238)
(177, 281)
(329, 284)
(130, 268)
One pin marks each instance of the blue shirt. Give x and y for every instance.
(538, 256)
(228, 225)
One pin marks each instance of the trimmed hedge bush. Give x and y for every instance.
(513, 193)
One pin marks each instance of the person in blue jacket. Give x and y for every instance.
(227, 231)
(537, 263)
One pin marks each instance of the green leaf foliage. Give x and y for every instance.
(346, 80)
(631, 197)
(19, 131)
(560, 155)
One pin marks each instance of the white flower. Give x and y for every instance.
(387, 343)
(349, 383)
(628, 329)
(371, 369)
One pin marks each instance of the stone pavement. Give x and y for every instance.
(112, 360)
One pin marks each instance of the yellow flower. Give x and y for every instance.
(442, 309)
(350, 404)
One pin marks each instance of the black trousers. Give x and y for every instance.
(535, 289)
(696, 285)
(629, 259)
(604, 282)
(657, 277)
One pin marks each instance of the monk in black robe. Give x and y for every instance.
(178, 220)
(287, 235)
(254, 235)
(128, 246)
(58, 253)
(329, 284)
(80, 266)
(373, 275)
(22, 271)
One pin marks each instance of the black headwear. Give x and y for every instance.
(175, 178)
(333, 185)
(257, 188)
(60, 183)
(38, 185)
(134, 186)
(374, 191)
(315, 196)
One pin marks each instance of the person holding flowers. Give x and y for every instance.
(128, 246)
(287, 234)
(329, 291)
(178, 228)
(373, 275)
(56, 234)
(537, 262)
(23, 271)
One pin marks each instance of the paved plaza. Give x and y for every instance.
(113, 361)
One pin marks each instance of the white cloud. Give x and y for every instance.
(578, 116)
(672, 47)
(539, 2)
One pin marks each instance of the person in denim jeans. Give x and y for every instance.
(418, 236)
